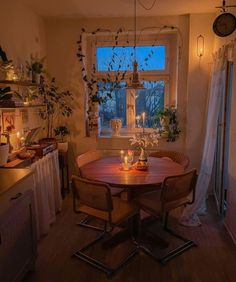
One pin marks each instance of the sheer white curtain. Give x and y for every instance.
(216, 94)
(47, 191)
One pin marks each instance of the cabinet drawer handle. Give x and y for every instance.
(16, 196)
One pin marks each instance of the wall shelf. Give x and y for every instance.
(22, 107)
(19, 83)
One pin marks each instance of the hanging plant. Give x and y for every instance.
(111, 80)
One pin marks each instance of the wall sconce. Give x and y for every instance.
(200, 46)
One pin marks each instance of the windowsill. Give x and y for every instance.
(106, 133)
(109, 136)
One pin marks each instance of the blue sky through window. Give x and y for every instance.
(121, 57)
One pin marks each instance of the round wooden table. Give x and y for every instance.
(109, 170)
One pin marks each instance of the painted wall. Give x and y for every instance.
(22, 34)
(61, 37)
(198, 79)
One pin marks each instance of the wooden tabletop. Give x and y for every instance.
(108, 170)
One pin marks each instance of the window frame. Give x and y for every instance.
(169, 74)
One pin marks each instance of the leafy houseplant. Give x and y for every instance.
(61, 131)
(56, 101)
(169, 124)
(35, 67)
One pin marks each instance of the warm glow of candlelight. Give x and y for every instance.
(130, 152)
(125, 160)
(143, 117)
(18, 134)
(122, 155)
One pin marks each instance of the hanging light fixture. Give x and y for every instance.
(135, 83)
(200, 46)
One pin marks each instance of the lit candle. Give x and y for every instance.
(122, 155)
(18, 140)
(143, 117)
(26, 103)
(125, 164)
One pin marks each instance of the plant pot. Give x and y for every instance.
(35, 77)
(4, 151)
(95, 108)
(62, 146)
(115, 125)
(164, 122)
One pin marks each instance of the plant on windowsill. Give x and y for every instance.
(169, 124)
(62, 131)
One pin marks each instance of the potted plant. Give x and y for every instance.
(35, 68)
(62, 131)
(56, 101)
(169, 123)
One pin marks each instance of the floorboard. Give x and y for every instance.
(213, 260)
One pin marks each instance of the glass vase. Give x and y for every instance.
(143, 155)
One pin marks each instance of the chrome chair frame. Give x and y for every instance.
(80, 254)
(165, 215)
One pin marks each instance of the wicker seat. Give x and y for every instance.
(82, 160)
(96, 201)
(86, 158)
(175, 192)
(177, 157)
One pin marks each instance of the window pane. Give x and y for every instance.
(150, 100)
(121, 58)
(114, 107)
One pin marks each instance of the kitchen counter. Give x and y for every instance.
(10, 177)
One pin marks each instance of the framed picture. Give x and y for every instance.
(8, 120)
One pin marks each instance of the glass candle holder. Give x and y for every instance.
(122, 154)
(130, 156)
(125, 164)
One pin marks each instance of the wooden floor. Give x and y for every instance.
(214, 260)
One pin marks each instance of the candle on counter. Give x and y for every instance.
(18, 140)
(22, 141)
(26, 103)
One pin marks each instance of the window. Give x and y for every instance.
(120, 58)
(157, 71)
